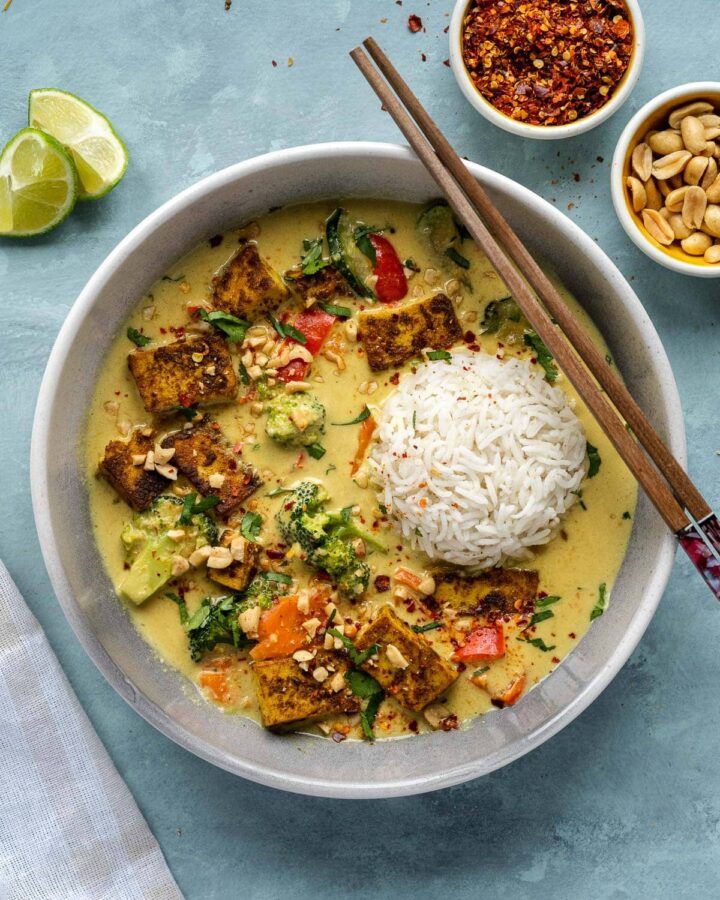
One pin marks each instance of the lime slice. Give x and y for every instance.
(38, 184)
(98, 153)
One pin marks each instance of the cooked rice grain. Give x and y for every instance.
(477, 459)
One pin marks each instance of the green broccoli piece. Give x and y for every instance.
(264, 590)
(296, 420)
(325, 537)
(149, 550)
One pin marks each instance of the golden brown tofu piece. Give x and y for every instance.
(322, 286)
(288, 696)
(238, 575)
(193, 371)
(426, 676)
(392, 335)
(248, 287)
(136, 486)
(200, 453)
(510, 590)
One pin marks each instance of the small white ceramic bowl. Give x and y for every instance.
(652, 115)
(545, 132)
(163, 696)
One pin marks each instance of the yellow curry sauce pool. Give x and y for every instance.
(586, 553)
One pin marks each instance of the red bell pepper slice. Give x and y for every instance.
(391, 281)
(486, 642)
(315, 324)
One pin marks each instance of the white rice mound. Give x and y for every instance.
(477, 459)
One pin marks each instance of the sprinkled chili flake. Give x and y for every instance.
(415, 24)
(547, 62)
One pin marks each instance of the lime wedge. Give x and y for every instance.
(38, 184)
(98, 153)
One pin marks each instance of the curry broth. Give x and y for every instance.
(588, 551)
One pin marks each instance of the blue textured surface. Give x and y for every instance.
(625, 802)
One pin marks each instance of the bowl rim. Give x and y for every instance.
(617, 188)
(545, 132)
(41, 449)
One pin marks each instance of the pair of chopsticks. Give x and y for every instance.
(663, 479)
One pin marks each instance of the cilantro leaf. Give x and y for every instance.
(365, 414)
(191, 508)
(342, 312)
(357, 657)
(537, 642)
(139, 339)
(311, 260)
(232, 327)
(438, 354)
(544, 357)
(250, 526)
(367, 688)
(285, 330)
(429, 626)
(594, 460)
(602, 603)
(541, 602)
(187, 412)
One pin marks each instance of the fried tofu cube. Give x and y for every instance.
(392, 335)
(407, 666)
(289, 696)
(320, 287)
(238, 575)
(512, 591)
(202, 455)
(248, 287)
(193, 371)
(135, 484)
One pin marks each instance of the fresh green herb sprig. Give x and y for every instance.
(367, 688)
(285, 330)
(544, 357)
(312, 260)
(363, 242)
(342, 312)
(357, 657)
(429, 626)
(232, 327)
(439, 354)
(250, 526)
(192, 506)
(364, 414)
(537, 642)
(602, 603)
(138, 338)
(594, 460)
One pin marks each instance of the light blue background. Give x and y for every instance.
(626, 801)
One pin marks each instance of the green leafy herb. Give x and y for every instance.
(187, 412)
(285, 330)
(317, 451)
(542, 602)
(594, 460)
(191, 507)
(365, 414)
(367, 688)
(410, 263)
(626, 515)
(541, 616)
(544, 357)
(537, 642)
(457, 258)
(602, 603)
(438, 354)
(243, 373)
(278, 576)
(482, 671)
(364, 244)
(429, 626)
(232, 327)
(250, 526)
(312, 260)
(181, 604)
(342, 312)
(330, 469)
(331, 617)
(383, 509)
(174, 280)
(139, 339)
(275, 492)
(581, 502)
(357, 657)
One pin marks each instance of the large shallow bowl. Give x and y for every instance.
(295, 762)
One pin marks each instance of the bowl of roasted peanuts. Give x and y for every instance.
(666, 179)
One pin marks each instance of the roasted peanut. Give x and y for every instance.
(654, 197)
(713, 191)
(712, 254)
(642, 160)
(712, 219)
(697, 108)
(657, 227)
(672, 164)
(697, 244)
(675, 199)
(695, 170)
(694, 206)
(710, 174)
(637, 192)
(693, 134)
(679, 228)
(664, 142)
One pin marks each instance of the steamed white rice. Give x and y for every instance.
(477, 459)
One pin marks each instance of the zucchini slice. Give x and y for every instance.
(439, 231)
(354, 266)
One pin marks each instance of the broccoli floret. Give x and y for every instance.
(149, 550)
(325, 537)
(296, 420)
(263, 591)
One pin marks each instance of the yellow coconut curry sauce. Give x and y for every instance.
(311, 645)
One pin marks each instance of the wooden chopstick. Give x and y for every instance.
(569, 359)
(677, 478)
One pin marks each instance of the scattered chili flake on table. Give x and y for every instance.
(414, 24)
(547, 62)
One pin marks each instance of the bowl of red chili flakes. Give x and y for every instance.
(547, 69)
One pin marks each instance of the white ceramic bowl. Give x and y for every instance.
(296, 762)
(545, 132)
(650, 116)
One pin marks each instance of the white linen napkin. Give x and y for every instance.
(69, 827)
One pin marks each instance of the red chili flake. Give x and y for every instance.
(423, 57)
(275, 554)
(449, 722)
(415, 24)
(469, 337)
(413, 726)
(274, 64)
(547, 62)
(446, 62)
(394, 378)
(216, 240)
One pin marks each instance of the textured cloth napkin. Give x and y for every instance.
(69, 827)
